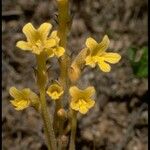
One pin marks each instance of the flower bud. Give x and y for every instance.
(77, 65)
(62, 113)
(74, 73)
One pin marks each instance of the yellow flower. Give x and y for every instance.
(55, 91)
(97, 54)
(37, 39)
(57, 50)
(23, 98)
(81, 99)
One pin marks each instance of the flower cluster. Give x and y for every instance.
(69, 98)
(39, 40)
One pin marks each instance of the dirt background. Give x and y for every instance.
(119, 120)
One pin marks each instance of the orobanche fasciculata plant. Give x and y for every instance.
(45, 43)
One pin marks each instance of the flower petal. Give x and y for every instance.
(36, 50)
(15, 93)
(88, 92)
(74, 105)
(83, 109)
(59, 51)
(74, 92)
(20, 104)
(102, 46)
(112, 57)
(44, 30)
(90, 103)
(91, 43)
(55, 91)
(30, 32)
(105, 67)
(55, 36)
(50, 43)
(90, 61)
(54, 95)
(24, 45)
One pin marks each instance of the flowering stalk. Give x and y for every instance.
(80, 100)
(41, 81)
(63, 21)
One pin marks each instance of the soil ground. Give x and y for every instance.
(119, 120)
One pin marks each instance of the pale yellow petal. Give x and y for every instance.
(74, 91)
(90, 103)
(102, 46)
(83, 109)
(53, 95)
(24, 45)
(50, 43)
(44, 30)
(91, 43)
(36, 50)
(74, 105)
(53, 34)
(30, 32)
(55, 91)
(88, 92)
(59, 51)
(105, 67)
(20, 104)
(112, 57)
(15, 93)
(90, 61)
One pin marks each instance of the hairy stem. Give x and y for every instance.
(63, 29)
(41, 81)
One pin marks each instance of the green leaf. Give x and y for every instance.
(131, 53)
(140, 67)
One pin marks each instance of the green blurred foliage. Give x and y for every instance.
(139, 64)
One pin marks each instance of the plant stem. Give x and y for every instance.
(47, 123)
(41, 81)
(58, 124)
(73, 130)
(63, 19)
(63, 29)
(56, 121)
